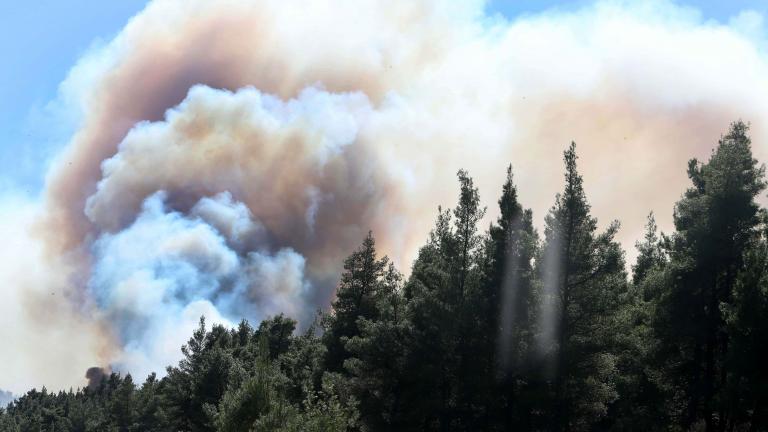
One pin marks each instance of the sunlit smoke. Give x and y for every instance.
(551, 302)
(511, 300)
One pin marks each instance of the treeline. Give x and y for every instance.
(505, 329)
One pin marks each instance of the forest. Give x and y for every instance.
(499, 328)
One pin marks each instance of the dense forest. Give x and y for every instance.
(499, 329)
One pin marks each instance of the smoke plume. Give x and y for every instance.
(229, 154)
(95, 375)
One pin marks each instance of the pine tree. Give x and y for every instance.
(583, 278)
(149, 416)
(430, 353)
(745, 317)
(442, 292)
(640, 405)
(378, 363)
(252, 397)
(715, 221)
(277, 331)
(356, 298)
(123, 405)
(650, 252)
(510, 309)
(200, 379)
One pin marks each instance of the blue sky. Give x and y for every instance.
(719, 10)
(41, 40)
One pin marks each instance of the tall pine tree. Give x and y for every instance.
(356, 298)
(510, 309)
(583, 277)
(443, 293)
(714, 221)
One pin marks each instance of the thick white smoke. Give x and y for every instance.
(163, 259)
(229, 154)
(154, 279)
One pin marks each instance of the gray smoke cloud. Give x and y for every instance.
(229, 154)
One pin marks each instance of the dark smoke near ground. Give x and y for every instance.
(95, 375)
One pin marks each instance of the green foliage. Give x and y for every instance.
(363, 282)
(746, 324)
(584, 280)
(509, 313)
(716, 220)
(651, 255)
(444, 295)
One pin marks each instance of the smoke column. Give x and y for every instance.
(229, 154)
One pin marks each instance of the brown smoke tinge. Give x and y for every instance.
(633, 160)
(174, 45)
(317, 122)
